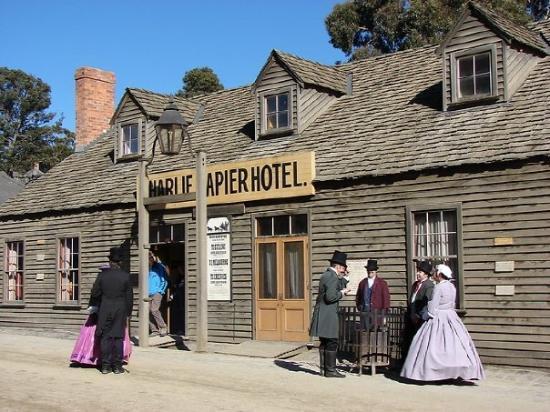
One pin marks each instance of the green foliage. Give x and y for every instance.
(201, 80)
(28, 133)
(362, 28)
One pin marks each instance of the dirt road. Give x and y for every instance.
(35, 376)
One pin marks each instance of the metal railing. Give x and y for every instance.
(373, 339)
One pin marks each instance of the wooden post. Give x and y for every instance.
(202, 261)
(143, 240)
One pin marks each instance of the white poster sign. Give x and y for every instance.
(219, 259)
(357, 272)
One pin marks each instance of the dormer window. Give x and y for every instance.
(277, 113)
(129, 140)
(474, 76)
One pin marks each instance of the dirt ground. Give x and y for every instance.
(35, 376)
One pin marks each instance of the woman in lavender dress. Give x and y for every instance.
(442, 348)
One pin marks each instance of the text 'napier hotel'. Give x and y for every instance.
(274, 177)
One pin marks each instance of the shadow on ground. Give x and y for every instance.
(294, 367)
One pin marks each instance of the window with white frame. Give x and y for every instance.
(129, 140)
(68, 269)
(435, 238)
(14, 271)
(474, 76)
(277, 112)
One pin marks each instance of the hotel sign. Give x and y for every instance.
(266, 178)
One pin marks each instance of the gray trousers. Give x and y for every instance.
(156, 321)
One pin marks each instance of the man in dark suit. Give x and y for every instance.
(112, 292)
(373, 297)
(421, 294)
(324, 322)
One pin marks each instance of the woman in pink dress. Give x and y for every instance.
(442, 348)
(86, 350)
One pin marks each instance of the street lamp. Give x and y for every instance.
(171, 129)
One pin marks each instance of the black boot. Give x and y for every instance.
(330, 365)
(106, 368)
(322, 361)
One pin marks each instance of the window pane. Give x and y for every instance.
(165, 233)
(466, 87)
(466, 66)
(281, 225)
(68, 270)
(283, 102)
(264, 226)
(449, 216)
(178, 233)
(294, 270)
(153, 234)
(268, 270)
(271, 103)
(134, 145)
(272, 121)
(130, 139)
(483, 64)
(14, 266)
(299, 224)
(283, 119)
(420, 235)
(483, 84)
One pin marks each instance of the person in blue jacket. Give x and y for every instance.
(158, 282)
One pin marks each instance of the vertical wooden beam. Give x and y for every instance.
(202, 262)
(143, 241)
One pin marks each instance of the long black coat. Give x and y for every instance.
(113, 293)
(420, 303)
(324, 322)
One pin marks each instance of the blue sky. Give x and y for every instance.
(152, 44)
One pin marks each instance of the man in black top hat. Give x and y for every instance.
(324, 322)
(112, 292)
(373, 297)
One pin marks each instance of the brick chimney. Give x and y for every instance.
(95, 103)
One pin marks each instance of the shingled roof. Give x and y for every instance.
(507, 29)
(9, 187)
(391, 124)
(152, 104)
(307, 72)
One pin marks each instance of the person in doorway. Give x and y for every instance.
(442, 348)
(158, 282)
(324, 322)
(421, 293)
(373, 297)
(113, 293)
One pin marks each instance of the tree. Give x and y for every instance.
(362, 28)
(28, 133)
(539, 9)
(201, 80)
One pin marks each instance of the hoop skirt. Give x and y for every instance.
(442, 348)
(87, 351)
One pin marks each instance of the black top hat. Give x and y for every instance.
(339, 257)
(424, 266)
(371, 265)
(115, 254)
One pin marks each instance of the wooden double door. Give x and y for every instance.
(282, 282)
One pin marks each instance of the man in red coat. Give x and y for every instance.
(373, 297)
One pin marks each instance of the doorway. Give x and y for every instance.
(282, 282)
(170, 249)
